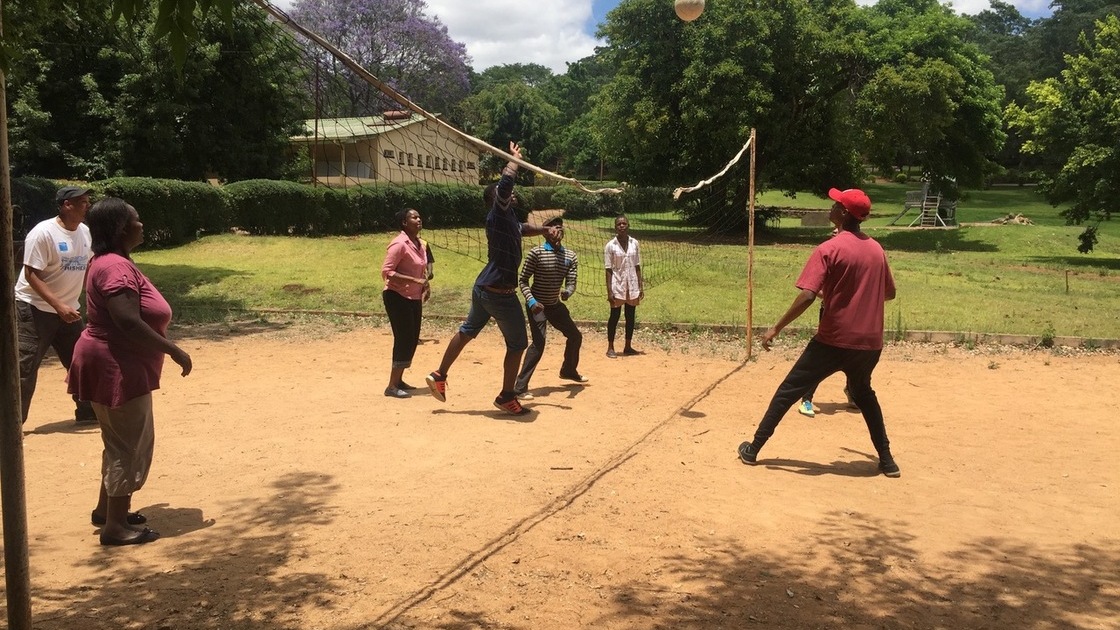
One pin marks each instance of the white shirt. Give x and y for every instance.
(61, 256)
(623, 264)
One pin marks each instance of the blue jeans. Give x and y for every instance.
(505, 309)
(818, 362)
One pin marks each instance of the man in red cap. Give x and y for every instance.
(852, 273)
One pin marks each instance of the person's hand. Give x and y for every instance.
(69, 315)
(426, 294)
(515, 149)
(768, 338)
(180, 357)
(564, 295)
(537, 308)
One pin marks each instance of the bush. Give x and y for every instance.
(265, 206)
(32, 202)
(900, 178)
(173, 211)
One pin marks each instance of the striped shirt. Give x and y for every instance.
(551, 269)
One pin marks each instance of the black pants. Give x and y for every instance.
(818, 362)
(39, 331)
(557, 315)
(404, 317)
(612, 323)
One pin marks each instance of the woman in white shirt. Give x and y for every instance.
(623, 262)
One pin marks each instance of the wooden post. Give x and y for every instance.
(750, 253)
(13, 498)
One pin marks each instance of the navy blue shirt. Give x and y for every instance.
(503, 240)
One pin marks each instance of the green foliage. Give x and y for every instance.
(174, 212)
(511, 112)
(1076, 121)
(262, 206)
(32, 201)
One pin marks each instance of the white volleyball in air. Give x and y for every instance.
(688, 10)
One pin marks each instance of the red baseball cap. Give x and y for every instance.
(854, 200)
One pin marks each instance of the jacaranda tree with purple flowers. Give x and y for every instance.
(397, 42)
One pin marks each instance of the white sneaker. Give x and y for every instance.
(525, 396)
(805, 408)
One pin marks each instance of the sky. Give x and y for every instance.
(554, 33)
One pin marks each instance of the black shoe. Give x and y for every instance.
(396, 392)
(575, 376)
(84, 416)
(889, 468)
(405, 386)
(630, 352)
(748, 454)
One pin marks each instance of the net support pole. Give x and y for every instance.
(13, 496)
(750, 252)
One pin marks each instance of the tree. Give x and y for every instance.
(1076, 119)
(931, 100)
(530, 74)
(103, 100)
(396, 42)
(512, 111)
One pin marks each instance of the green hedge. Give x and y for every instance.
(32, 202)
(174, 212)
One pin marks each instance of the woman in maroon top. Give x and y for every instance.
(117, 364)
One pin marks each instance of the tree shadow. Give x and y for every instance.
(1080, 261)
(178, 283)
(239, 581)
(875, 576)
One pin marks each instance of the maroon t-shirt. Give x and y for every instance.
(109, 367)
(851, 271)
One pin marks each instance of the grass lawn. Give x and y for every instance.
(975, 279)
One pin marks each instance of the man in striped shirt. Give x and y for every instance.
(553, 270)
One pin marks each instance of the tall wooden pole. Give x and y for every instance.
(13, 499)
(750, 253)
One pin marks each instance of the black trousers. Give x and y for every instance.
(818, 362)
(405, 316)
(556, 314)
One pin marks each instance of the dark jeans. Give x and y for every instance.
(37, 332)
(557, 315)
(818, 362)
(405, 316)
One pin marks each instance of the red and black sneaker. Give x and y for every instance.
(510, 405)
(437, 383)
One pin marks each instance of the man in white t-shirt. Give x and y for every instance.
(55, 256)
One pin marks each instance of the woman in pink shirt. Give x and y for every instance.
(405, 272)
(117, 364)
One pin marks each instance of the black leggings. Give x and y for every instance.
(612, 323)
(404, 317)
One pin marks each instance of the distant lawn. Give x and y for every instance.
(978, 279)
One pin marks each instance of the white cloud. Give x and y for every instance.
(497, 32)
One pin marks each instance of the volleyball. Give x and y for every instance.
(688, 10)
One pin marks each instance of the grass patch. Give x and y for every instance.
(975, 279)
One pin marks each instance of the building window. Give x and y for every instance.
(400, 158)
(445, 164)
(410, 163)
(428, 161)
(470, 165)
(461, 165)
(452, 166)
(388, 153)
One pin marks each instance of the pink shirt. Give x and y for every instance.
(405, 257)
(109, 367)
(852, 272)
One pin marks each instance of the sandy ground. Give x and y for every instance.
(291, 494)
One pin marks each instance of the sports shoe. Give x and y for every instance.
(85, 415)
(437, 384)
(611, 354)
(630, 352)
(396, 392)
(405, 386)
(511, 406)
(748, 454)
(806, 408)
(525, 395)
(889, 468)
(575, 376)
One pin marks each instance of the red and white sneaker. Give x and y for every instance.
(437, 384)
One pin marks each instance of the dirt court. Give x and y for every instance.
(291, 494)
